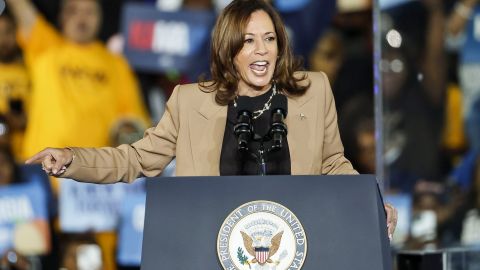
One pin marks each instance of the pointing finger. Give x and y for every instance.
(37, 158)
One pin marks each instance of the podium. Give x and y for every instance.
(337, 223)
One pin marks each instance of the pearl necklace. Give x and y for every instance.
(256, 114)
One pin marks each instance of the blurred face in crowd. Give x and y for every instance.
(80, 20)
(256, 61)
(366, 150)
(127, 132)
(8, 45)
(328, 55)
(393, 68)
(7, 168)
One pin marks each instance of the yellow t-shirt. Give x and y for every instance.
(78, 91)
(14, 85)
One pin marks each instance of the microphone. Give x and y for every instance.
(278, 129)
(243, 129)
(2, 6)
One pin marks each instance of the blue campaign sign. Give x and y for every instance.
(89, 207)
(162, 41)
(92, 207)
(132, 214)
(34, 173)
(23, 210)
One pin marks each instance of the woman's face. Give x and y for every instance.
(256, 61)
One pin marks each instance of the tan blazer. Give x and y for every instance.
(192, 130)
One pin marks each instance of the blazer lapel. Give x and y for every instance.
(301, 119)
(207, 128)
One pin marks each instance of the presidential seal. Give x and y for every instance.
(261, 235)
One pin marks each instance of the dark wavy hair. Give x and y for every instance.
(227, 41)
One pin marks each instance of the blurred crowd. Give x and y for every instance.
(430, 115)
(64, 82)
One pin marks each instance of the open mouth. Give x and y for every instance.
(259, 67)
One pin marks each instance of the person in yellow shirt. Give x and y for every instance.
(14, 84)
(79, 88)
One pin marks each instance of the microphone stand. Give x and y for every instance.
(279, 132)
(261, 155)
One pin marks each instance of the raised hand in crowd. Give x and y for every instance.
(460, 15)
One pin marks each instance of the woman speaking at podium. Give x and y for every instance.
(225, 126)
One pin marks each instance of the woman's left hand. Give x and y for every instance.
(392, 217)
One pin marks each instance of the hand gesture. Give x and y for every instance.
(392, 217)
(54, 160)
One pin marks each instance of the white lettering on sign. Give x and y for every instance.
(171, 38)
(15, 209)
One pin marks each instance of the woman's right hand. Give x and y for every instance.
(54, 160)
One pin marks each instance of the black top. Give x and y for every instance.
(234, 162)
